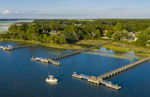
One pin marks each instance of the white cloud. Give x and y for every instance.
(9, 11)
(50, 13)
(6, 11)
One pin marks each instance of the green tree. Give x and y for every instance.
(120, 35)
(142, 38)
(108, 34)
(118, 27)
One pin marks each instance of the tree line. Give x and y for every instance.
(64, 31)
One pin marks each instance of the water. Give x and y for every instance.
(21, 77)
(4, 25)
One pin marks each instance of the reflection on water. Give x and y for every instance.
(109, 53)
(52, 83)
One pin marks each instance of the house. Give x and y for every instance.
(133, 34)
(54, 32)
(77, 24)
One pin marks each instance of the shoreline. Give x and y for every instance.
(116, 47)
(58, 46)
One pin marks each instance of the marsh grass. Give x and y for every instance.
(128, 57)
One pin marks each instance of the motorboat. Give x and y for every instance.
(51, 79)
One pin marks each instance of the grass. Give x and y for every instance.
(115, 46)
(20, 41)
(131, 58)
(92, 42)
(116, 49)
(136, 49)
(62, 46)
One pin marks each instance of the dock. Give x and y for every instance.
(123, 68)
(19, 47)
(76, 52)
(54, 59)
(96, 80)
(100, 79)
(45, 60)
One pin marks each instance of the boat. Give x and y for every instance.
(36, 59)
(54, 62)
(1, 47)
(9, 47)
(6, 48)
(51, 79)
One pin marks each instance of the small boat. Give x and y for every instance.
(1, 47)
(9, 47)
(6, 48)
(54, 62)
(36, 59)
(51, 79)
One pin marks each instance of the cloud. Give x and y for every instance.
(118, 8)
(50, 13)
(6, 11)
(9, 11)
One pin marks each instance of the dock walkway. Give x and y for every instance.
(76, 52)
(95, 80)
(123, 68)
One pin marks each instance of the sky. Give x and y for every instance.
(74, 9)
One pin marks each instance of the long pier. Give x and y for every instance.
(25, 46)
(122, 69)
(76, 52)
(95, 80)
(100, 79)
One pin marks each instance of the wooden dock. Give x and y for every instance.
(53, 60)
(122, 69)
(100, 79)
(45, 60)
(76, 52)
(96, 80)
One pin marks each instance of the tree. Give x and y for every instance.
(118, 27)
(142, 38)
(120, 35)
(108, 34)
(98, 33)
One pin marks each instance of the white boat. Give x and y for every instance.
(36, 59)
(9, 47)
(54, 62)
(6, 48)
(1, 47)
(51, 79)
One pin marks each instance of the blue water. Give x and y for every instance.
(16, 21)
(21, 77)
(4, 27)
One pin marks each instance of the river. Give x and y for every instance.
(21, 77)
(4, 25)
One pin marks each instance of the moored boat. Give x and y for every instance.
(51, 79)
(54, 62)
